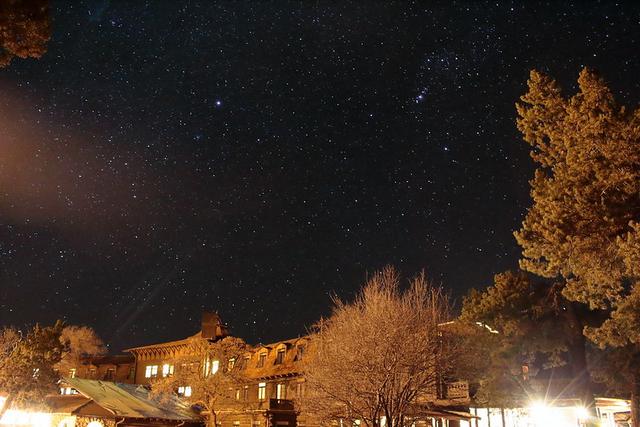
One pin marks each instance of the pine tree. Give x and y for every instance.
(534, 327)
(583, 223)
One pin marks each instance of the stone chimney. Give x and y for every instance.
(212, 326)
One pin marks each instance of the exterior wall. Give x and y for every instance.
(252, 411)
(281, 365)
(84, 421)
(107, 368)
(141, 366)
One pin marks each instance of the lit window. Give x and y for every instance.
(184, 391)
(231, 364)
(67, 390)
(261, 359)
(210, 367)
(245, 393)
(95, 424)
(167, 370)
(238, 394)
(280, 356)
(72, 372)
(151, 371)
(300, 389)
(281, 391)
(236, 423)
(262, 391)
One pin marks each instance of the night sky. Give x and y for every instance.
(168, 157)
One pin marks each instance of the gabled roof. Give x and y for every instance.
(67, 404)
(181, 342)
(132, 401)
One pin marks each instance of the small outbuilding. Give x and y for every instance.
(109, 404)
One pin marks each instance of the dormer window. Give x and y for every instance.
(280, 356)
(231, 364)
(261, 359)
(299, 352)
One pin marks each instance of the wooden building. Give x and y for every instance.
(118, 368)
(275, 380)
(273, 371)
(96, 403)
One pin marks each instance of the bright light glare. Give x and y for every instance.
(541, 414)
(26, 418)
(582, 413)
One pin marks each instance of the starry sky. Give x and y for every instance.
(165, 157)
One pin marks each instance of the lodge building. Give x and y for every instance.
(274, 374)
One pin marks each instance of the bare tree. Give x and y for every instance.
(81, 341)
(209, 375)
(381, 356)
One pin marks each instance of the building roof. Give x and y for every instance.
(289, 365)
(67, 404)
(181, 342)
(130, 401)
(113, 359)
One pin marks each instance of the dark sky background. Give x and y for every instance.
(168, 157)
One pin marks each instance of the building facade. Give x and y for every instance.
(272, 378)
(118, 368)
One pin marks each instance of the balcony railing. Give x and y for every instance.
(458, 390)
(281, 404)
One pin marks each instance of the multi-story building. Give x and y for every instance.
(272, 378)
(273, 373)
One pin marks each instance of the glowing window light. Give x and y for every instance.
(17, 417)
(543, 415)
(582, 413)
(167, 370)
(95, 423)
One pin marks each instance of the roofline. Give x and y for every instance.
(184, 341)
(166, 343)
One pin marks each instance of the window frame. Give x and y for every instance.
(262, 392)
(262, 359)
(151, 371)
